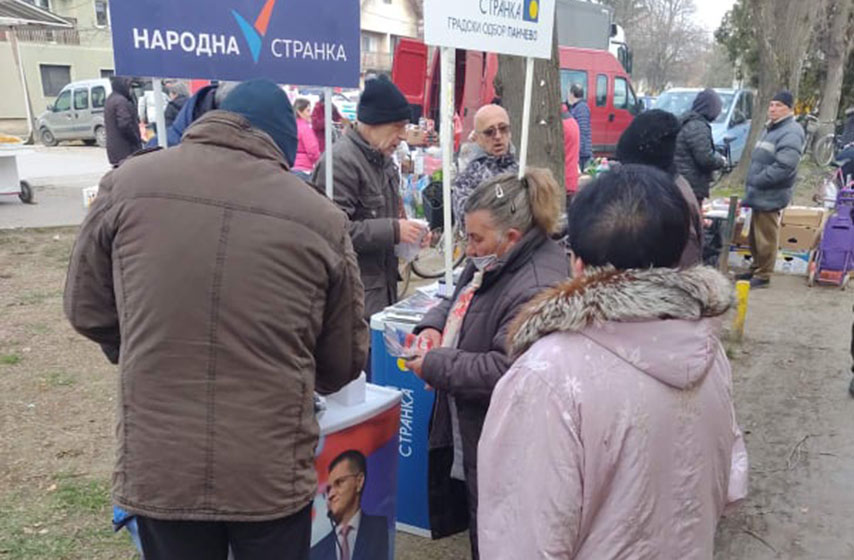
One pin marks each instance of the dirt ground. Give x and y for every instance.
(57, 416)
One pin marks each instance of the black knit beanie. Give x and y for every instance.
(381, 103)
(650, 140)
(267, 108)
(786, 98)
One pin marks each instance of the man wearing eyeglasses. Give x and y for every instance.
(359, 536)
(493, 154)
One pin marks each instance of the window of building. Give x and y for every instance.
(621, 93)
(81, 99)
(568, 78)
(369, 42)
(99, 97)
(54, 78)
(601, 90)
(387, 1)
(43, 4)
(102, 18)
(107, 73)
(63, 102)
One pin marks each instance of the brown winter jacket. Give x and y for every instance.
(366, 188)
(470, 372)
(229, 292)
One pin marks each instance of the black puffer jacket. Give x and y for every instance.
(695, 156)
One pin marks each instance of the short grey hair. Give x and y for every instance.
(178, 89)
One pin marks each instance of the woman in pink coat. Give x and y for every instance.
(308, 150)
(614, 434)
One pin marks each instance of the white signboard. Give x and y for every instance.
(519, 27)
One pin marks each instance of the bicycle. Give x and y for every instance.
(821, 148)
(726, 151)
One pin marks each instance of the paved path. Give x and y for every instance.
(57, 176)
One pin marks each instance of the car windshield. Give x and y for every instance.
(676, 102)
(680, 102)
(726, 103)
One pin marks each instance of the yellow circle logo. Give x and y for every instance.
(533, 9)
(401, 364)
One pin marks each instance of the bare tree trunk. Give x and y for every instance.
(783, 29)
(839, 46)
(545, 140)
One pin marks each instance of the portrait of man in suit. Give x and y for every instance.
(355, 535)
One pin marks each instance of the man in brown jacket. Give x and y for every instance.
(227, 292)
(366, 188)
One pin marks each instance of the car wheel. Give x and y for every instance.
(26, 194)
(101, 136)
(48, 139)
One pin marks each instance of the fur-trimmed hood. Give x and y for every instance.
(615, 309)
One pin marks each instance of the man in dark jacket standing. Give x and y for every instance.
(228, 293)
(695, 156)
(366, 188)
(178, 95)
(580, 111)
(770, 180)
(121, 121)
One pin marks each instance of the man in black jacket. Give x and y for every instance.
(695, 156)
(121, 122)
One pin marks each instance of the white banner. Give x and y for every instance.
(519, 27)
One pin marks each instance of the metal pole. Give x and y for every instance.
(159, 115)
(327, 117)
(526, 115)
(16, 47)
(447, 141)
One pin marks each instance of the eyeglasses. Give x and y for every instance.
(338, 483)
(502, 129)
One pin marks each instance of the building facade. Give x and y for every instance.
(384, 22)
(52, 58)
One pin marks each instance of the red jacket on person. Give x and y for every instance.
(571, 142)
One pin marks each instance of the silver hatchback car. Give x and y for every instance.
(77, 114)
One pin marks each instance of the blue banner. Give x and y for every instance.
(301, 42)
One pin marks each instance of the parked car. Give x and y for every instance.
(607, 87)
(732, 124)
(77, 114)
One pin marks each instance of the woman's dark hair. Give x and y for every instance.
(632, 217)
(301, 104)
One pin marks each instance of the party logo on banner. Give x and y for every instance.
(303, 42)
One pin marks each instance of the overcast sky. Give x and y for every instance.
(710, 12)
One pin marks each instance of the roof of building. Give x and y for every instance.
(16, 13)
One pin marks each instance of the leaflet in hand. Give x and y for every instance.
(399, 343)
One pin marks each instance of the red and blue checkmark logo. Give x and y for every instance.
(254, 34)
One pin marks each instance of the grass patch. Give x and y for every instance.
(69, 523)
(82, 495)
(59, 379)
(10, 359)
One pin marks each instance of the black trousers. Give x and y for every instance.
(288, 538)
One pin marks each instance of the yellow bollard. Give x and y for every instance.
(742, 292)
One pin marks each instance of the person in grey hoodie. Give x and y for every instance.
(695, 156)
(770, 181)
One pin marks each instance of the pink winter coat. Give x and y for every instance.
(308, 150)
(614, 434)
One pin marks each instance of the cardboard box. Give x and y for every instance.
(798, 238)
(792, 262)
(416, 137)
(803, 216)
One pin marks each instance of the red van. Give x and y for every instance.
(607, 87)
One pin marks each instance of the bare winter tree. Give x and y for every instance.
(782, 30)
(840, 41)
(545, 143)
(666, 41)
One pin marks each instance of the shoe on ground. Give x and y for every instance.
(744, 276)
(759, 283)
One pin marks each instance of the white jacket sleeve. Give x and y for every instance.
(530, 462)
